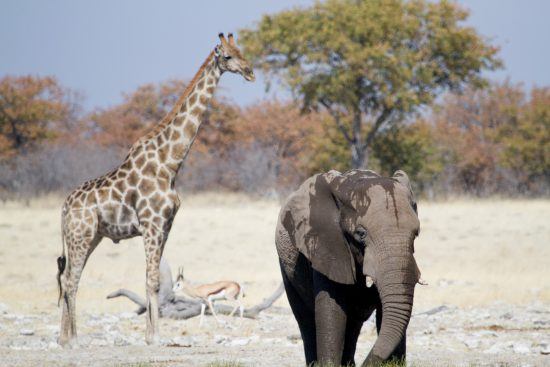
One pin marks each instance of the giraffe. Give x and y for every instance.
(138, 197)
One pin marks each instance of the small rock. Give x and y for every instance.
(218, 339)
(483, 333)
(180, 341)
(521, 348)
(120, 341)
(3, 308)
(472, 343)
(545, 350)
(506, 316)
(239, 342)
(26, 332)
(435, 310)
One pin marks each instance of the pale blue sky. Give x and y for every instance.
(102, 48)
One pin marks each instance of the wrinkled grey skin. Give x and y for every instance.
(333, 232)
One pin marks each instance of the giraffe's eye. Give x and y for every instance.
(227, 57)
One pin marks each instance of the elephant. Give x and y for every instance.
(345, 243)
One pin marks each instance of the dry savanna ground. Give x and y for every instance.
(486, 262)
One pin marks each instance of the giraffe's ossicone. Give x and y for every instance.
(138, 197)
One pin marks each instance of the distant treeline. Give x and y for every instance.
(492, 141)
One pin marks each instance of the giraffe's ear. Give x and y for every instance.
(217, 51)
(231, 39)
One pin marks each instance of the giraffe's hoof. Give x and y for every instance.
(152, 340)
(68, 343)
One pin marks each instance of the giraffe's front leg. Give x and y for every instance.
(154, 240)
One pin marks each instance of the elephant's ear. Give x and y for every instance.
(401, 177)
(329, 251)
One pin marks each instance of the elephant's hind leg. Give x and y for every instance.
(305, 317)
(353, 328)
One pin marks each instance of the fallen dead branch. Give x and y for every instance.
(175, 307)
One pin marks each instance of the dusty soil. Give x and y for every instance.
(487, 301)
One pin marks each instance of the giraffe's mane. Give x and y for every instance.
(177, 106)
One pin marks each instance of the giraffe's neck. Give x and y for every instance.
(173, 136)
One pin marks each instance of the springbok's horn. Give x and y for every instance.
(222, 39)
(231, 39)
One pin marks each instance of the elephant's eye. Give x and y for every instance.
(360, 234)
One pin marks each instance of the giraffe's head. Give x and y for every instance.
(230, 59)
(178, 285)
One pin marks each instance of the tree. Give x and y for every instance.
(122, 125)
(411, 148)
(369, 63)
(281, 129)
(32, 110)
(526, 143)
(496, 139)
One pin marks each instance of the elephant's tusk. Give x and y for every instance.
(422, 282)
(369, 282)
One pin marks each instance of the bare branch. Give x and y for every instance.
(382, 118)
(184, 308)
(338, 121)
(133, 297)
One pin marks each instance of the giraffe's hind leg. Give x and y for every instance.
(79, 249)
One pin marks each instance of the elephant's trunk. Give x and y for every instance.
(395, 285)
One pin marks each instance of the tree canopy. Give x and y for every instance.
(32, 109)
(371, 63)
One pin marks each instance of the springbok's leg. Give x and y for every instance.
(78, 251)
(154, 239)
(237, 304)
(241, 311)
(203, 309)
(211, 306)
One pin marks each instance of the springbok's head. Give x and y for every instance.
(230, 59)
(178, 285)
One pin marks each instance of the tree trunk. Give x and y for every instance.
(359, 156)
(174, 307)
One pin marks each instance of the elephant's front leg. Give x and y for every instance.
(330, 320)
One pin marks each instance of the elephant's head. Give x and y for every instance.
(359, 219)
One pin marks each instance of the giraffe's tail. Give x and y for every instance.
(61, 260)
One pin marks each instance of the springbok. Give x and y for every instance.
(209, 293)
